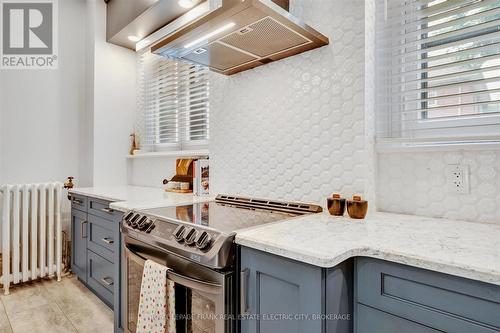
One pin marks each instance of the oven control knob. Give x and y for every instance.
(203, 241)
(190, 237)
(145, 225)
(150, 228)
(179, 233)
(127, 218)
(137, 221)
(132, 220)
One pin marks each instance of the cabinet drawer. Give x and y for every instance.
(100, 276)
(440, 301)
(101, 237)
(374, 321)
(79, 202)
(101, 208)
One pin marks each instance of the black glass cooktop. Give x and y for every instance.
(218, 216)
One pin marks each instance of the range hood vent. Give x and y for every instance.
(240, 35)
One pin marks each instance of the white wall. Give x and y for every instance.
(73, 121)
(114, 103)
(41, 109)
(1, 130)
(87, 118)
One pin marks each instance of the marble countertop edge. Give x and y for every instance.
(330, 260)
(99, 196)
(130, 197)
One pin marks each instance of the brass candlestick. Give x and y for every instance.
(133, 146)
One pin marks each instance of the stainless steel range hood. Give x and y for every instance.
(240, 35)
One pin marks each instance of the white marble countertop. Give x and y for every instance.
(136, 197)
(470, 250)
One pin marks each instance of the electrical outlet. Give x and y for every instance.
(458, 178)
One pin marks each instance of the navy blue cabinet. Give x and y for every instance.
(278, 295)
(393, 298)
(281, 295)
(95, 259)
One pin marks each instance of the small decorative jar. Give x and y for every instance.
(336, 205)
(357, 208)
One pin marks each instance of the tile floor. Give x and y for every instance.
(56, 307)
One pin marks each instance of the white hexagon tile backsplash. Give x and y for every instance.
(299, 129)
(294, 129)
(416, 183)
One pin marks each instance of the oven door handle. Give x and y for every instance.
(134, 256)
(186, 281)
(192, 283)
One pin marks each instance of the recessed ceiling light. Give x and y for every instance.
(186, 3)
(134, 38)
(209, 35)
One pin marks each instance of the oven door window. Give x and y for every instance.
(134, 279)
(197, 312)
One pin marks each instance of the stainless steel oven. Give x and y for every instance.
(196, 243)
(204, 299)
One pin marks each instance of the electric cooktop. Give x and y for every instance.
(204, 232)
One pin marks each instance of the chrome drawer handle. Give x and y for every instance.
(244, 276)
(77, 201)
(108, 240)
(106, 281)
(107, 210)
(83, 229)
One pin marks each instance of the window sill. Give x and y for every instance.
(159, 154)
(395, 146)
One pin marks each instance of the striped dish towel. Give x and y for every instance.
(157, 301)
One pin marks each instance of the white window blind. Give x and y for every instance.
(174, 104)
(438, 71)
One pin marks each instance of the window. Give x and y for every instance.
(439, 71)
(173, 104)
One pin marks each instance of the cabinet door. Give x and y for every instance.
(79, 232)
(279, 295)
(444, 302)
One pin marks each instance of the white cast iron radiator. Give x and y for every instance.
(31, 232)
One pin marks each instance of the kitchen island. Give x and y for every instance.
(402, 273)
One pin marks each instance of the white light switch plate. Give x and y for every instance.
(458, 178)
